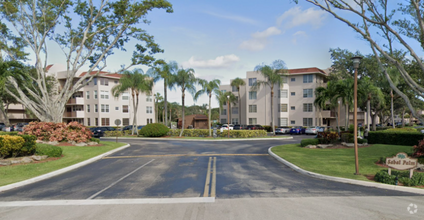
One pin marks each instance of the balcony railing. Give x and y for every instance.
(76, 114)
(76, 101)
(328, 114)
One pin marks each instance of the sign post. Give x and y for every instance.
(214, 132)
(117, 123)
(401, 162)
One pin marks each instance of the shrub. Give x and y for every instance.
(10, 145)
(419, 149)
(394, 137)
(154, 130)
(49, 131)
(11, 133)
(345, 137)
(362, 141)
(310, 141)
(49, 150)
(328, 137)
(403, 177)
(383, 177)
(113, 133)
(267, 128)
(95, 140)
(29, 146)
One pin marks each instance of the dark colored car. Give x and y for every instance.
(298, 130)
(129, 127)
(100, 131)
(255, 127)
(240, 127)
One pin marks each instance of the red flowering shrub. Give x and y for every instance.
(419, 149)
(49, 131)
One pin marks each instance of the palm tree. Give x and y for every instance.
(186, 80)
(158, 98)
(325, 95)
(238, 82)
(137, 82)
(164, 71)
(209, 88)
(273, 76)
(344, 90)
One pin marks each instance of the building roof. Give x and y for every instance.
(306, 70)
(102, 73)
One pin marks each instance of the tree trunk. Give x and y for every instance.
(410, 119)
(165, 102)
(170, 115)
(5, 116)
(368, 110)
(347, 118)
(373, 119)
(157, 111)
(239, 106)
(403, 116)
(272, 110)
(183, 114)
(134, 126)
(209, 115)
(229, 113)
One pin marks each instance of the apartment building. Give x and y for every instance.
(94, 104)
(293, 101)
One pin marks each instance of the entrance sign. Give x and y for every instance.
(401, 162)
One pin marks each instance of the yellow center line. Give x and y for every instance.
(208, 179)
(183, 155)
(213, 187)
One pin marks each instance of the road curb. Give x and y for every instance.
(60, 171)
(178, 139)
(345, 180)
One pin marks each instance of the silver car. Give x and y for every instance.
(312, 130)
(282, 130)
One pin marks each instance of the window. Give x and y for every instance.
(95, 94)
(151, 120)
(252, 109)
(252, 81)
(307, 78)
(86, 82)
(252, 95)
(223, 91)
(223, 121)
(234, 110)
(105, 122)
(283, 121)
(292, 93)
(117, 108)
(307, 107)
(252, 121)
(104, 94)
(307, 93)
(284, 79)
(105, 108)
(283, 108)
(87, 94)
(88, 122)
(292, 108)
(234, 89)
(88, 108)
(149, 109)
(116, 81)
(96, 121)
(292, 122)
(125, 96)
(224, 112)
(104, 81)
(96, 108)
(282, 93)
(307, 121)
(234, 121)
(125, 121)
(95, 81)
(292, 79)
(147, 121)
(149, 98)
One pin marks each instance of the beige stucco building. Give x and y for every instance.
(293, 101)
(94, 104)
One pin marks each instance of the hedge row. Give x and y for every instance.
(17, 145)
(395, 137)
(205, 133)
(403, 177)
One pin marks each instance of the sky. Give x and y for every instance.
(223, 39)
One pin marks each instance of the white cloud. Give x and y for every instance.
(298, 35)
(296, 17)
(217, 63)
(237, 18)
(259, 39)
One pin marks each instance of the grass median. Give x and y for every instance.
(339, 162)
(71, 156)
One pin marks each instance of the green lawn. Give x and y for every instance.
(339, 162)
(71, 155)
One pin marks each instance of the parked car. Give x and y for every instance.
(129, 127)
(20, 126)
(297, 130)
(240, 127)
(11, 128)
(100, 131)
(226, 127)
(282, 130)
(255, 127)
(312, 130)
(2, 125)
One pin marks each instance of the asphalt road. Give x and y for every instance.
(182, 169)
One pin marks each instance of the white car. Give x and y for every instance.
(226, 127)
(282, 130)
(312, 130)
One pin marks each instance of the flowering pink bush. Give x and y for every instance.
(49, 131)
(419, 149)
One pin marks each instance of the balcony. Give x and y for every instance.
(76, 114)
(76, 101)
(328, 114)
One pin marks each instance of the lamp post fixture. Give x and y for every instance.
(356, 61)
(228, 115)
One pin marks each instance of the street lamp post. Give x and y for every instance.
(228, 115)
(356, 61)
